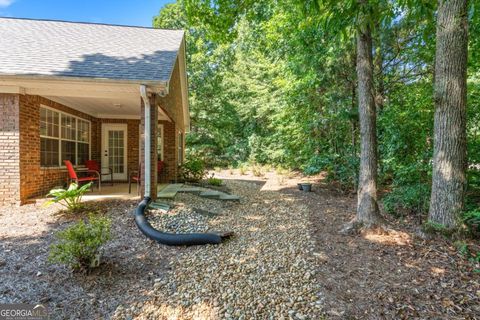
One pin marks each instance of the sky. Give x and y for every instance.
(126, 12)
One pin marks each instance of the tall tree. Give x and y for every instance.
(367, 207)
(449, 156)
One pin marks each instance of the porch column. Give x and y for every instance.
(153, 146)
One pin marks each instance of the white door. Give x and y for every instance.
(114, 150)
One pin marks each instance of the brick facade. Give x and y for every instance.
(35, 180)
(9, 150)
(170, 156)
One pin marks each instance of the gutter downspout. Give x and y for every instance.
(147, 141)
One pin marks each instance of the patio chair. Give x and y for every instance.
(135, 176)
(73, 175)
(93, 165)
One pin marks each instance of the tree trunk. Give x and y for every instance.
(449, 150)
(367, 207)
(380, 92)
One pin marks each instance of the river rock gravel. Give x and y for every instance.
(266, 271)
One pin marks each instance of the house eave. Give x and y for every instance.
(72, 79)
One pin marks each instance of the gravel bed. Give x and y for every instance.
(266, 271)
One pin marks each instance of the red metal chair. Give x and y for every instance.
(93, 165)
(135, 176)
(73, 175)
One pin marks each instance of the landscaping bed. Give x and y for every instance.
(286, 260)
(130, 262)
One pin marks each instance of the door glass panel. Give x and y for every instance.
(116, 150)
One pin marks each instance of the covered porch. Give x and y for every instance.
(77, 95)
(104, 123)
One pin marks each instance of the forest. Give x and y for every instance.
(278, 83)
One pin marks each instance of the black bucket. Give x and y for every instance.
(307, 187)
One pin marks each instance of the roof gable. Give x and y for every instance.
(67, 49)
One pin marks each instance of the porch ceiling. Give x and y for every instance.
(98, 99)
(126, 107)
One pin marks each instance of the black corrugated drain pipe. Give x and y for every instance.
(173, 239)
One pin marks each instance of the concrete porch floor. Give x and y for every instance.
(117, 191)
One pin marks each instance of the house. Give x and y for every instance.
(73, 91)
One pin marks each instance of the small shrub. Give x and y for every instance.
(243, 169)
(471, 219)
(230, 169)
(410, 199)
(281, 171)
(469, 253)
(70, 198)
(436, 228)
(192, 170)
(78, 246)
(214, 181)
(257, 171)
(217, 169)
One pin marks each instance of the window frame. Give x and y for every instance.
(161, 152)
(59, 139)
(181, 143)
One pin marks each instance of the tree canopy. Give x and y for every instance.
(274, 82)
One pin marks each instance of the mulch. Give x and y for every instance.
(393, 274)
(131, 263)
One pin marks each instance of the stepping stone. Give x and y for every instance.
(160, 206)
(206, 212)
(229, 197)
(169, 191)
(210, 194)
(190, 190)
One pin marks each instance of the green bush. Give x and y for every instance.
(409, 199)
(469, 252)
(79, 245)
(343, 169)
(214, 181)
(472, 221)
(193, 170)
(257, 170)
(70, 198)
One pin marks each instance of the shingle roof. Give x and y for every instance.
(59, 48)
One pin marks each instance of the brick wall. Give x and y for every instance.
(133, 139)
(9, 150)
(36, 181)
(173, 105)
(169, 151)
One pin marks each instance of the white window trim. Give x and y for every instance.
(181, 147)
(59, 139)
(162, 155)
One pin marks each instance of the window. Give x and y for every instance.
(180, 148)
(63, 137)
(50, 135)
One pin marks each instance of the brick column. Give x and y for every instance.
(153, 153)
(9, 149)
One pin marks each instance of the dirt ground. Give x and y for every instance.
(131, 263)
(387, 275)
(373, 275)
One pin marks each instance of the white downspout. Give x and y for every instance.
(147, 140)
